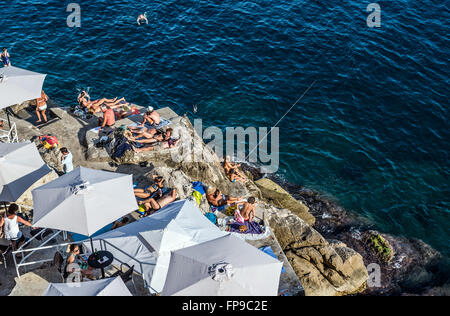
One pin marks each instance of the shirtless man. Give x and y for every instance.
(151, 119)
(248, 211)
(216, 198)
(152, 205)
(142, 18)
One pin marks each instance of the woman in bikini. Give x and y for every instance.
(94, 106)
(158, 184)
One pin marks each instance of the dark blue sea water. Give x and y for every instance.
(372, 132)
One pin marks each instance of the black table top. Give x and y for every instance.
(101, 254)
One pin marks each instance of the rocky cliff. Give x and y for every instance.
(324, 266)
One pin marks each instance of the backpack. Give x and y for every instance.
(49, 142)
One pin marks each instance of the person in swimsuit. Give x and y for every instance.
(234, 176)
(94, 106)
(164, 145)
(75, 262)
(216, 198)
(41, 107)
(5, 58)
(248, 211)
(151, 119)
(152, 205)
(145, 138)
(232, 171)
(83, 95)
(142, 18)
(158, 183)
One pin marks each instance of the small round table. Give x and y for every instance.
(105, 258)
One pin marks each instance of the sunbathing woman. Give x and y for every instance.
(164, 145)
(94, 106)
(158, 183)
(152, 205)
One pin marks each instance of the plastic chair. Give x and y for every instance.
(125, 276)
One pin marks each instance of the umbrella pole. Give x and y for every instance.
(4, 205)
(92, 245)
(9, 121)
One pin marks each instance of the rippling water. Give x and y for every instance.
(372, 132)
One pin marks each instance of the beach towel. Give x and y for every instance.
(198, 197)
(252, 228)
(198, 186)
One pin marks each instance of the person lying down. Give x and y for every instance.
(158, 184)
(152, 205)
(143, 144)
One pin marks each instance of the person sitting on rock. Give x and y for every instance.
(235, 176)
(232, 171)
(150, 120)
(248, 211)
(216, 198)
(158, 184)
(152, 205)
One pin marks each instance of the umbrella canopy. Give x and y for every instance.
(83, 201)
(105, 287)
(180, 224)
(226, 266)
(20, 167)
(19, 85)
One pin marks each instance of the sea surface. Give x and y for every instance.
(371, 133)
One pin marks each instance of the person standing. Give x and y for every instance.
(41, 107)
(66, 160)
(11, 226)
(5, 57)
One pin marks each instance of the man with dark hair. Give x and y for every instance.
(66, 160)
(11, 226)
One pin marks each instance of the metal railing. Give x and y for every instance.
(104, 245)
(9, 136)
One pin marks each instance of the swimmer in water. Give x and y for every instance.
(142, 18)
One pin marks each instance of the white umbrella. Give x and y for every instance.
(226, 266)
(19, 85)
(21, 166)
(83, 201)
(151, 239)
(105, 287)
